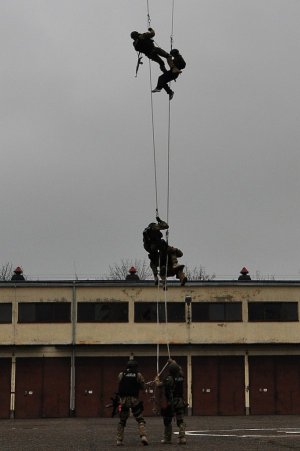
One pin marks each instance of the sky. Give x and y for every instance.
(77, 174)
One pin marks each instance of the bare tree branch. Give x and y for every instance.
(198, 273)
(6, 271)
(119, 271)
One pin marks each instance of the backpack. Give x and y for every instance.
(179, 62)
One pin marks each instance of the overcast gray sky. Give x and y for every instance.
(77, 176)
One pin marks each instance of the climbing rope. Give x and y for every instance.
(156, 187)
(152, 122)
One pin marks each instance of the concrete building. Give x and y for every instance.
(63, 343)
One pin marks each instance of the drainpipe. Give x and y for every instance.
(188, 301)
(74, 319)
(13, 357)
(247, 395)
(12, 387)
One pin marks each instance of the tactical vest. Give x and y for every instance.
(178, 386)
(129, 385)
(151, 237)
(143, 45)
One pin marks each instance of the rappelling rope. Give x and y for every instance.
(155, 183)
(168, 169)
(168, 179)
(152, 121)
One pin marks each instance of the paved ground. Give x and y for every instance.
(268, 433)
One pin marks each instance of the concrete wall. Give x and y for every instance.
(151, 333)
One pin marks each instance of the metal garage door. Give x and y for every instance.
(5, 375)
(274, 384)
(42, 387)
(218, 386)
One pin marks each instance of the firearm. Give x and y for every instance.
(115, 404)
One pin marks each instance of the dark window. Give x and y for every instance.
(216, 311)
(273, 311)
(102, 312)
(5, 313)
(146, 312)
(44, 312)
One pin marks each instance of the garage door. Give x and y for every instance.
(5, 375)
(42, 387)
(274, 385)
(218, 386)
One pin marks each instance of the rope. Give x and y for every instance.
(152, 122)
(153, 141)
(156, 189)
(172, 25)
(169, 142)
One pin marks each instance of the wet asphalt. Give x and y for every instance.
(270, 433)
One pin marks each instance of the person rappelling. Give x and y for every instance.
(143, 43)
(169, 266)
(154, 243)
(166, 77)
(163, 258)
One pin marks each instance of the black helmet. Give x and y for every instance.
(134, 35)
(132, 363)
(174, 52)
(174, 368)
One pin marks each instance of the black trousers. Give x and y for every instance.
(164, 79)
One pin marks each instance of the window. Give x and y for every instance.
(216, 311)
(146, 312)
(5, 313)
(102, 312)
(44, 312)
(273, 311)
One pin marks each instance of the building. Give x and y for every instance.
(63, 344)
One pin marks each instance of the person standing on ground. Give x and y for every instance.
(131, 381)
(172, 385)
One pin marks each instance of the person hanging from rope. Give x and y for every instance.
(154, 243)
(166, 77)
(172, 387)
(143, 43)
(169, 267)
(161, 255)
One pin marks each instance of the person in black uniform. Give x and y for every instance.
(165, 78)
(131, 381)
(175, 404)
(143, 43)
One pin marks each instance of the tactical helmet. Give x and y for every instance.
(132, 363)
(134, 35)
(174, 52)
(174, 368)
